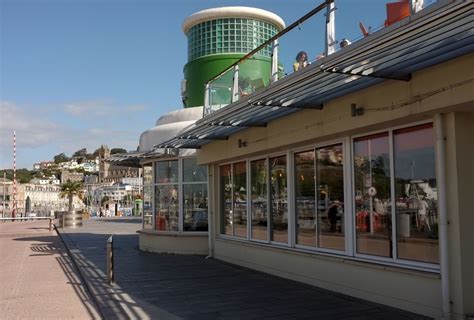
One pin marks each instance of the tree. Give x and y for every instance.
(117, 150)
(69, 189)
(96, 153)
(60, 158)
(104, 200)
(81, 153)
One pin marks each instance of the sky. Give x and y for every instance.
(82, 73)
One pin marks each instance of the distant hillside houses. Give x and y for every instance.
(73, 164)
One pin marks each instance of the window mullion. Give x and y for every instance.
(291, 200)
(269, 211)
(392, 196)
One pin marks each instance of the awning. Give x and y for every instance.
(433, 36)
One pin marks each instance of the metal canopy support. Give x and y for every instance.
(330, 28)
(317, 107)
(235, 84)
(275, 46)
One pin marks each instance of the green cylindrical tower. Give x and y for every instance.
(217, 38)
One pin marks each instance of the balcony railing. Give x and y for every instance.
(242, 78)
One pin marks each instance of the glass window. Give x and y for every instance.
(148, 196)
(225, 174)
(166, 171)
(258, 184)
(415, 194)
(167, 208)
(192, 172)
(195, 207)
(240, 199)
(278, 199)
(372, 195)
(330, 197)
(305, 198)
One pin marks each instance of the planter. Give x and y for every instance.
(72, 219)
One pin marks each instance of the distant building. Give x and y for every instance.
(111, 173)
(91, 179)
(71, 175)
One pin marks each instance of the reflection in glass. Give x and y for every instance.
(372, 195)
(240, 199)
(416, 194)
(147, 174)
(167, 208)
(305, 198)
(258, 176)
(225, 177)
(147, 207)
(278, 199)
(195, 207)
(192, 172)
(330, 197)
(166, 171)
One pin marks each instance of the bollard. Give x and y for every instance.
(110, 260)
(50, 224)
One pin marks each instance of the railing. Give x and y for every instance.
(275, 58)
(51, 219)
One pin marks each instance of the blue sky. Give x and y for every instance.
(81, 73)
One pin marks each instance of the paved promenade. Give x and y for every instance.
(37, 279)
(160, 286)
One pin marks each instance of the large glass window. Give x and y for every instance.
(148, 196)
(195, 207)
(258, 185)
(319, 195)
(195, 196)
(330, 197)
(167, 208)
(415, 194)
(166, 171)
(279, 199)
(225, 176)
(305, 198)
(372, 195)
(240, 199)
(171, 176)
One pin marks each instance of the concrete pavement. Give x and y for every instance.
(37, 279)
(161, 286)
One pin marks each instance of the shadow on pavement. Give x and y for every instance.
(166, 286)
(49, 245)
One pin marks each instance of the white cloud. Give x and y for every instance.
(94, 109)
(38, 134)
(32, 128)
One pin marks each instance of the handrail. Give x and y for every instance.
(275, 37)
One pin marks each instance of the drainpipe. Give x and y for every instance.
(443, 215)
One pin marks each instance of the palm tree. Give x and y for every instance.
(70, 189)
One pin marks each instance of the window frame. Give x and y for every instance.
(350, 250)
(180, 183)
(391, 260)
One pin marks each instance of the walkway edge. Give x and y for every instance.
(80, 274)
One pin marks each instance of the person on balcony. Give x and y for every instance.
(301, 61)
(245, 87)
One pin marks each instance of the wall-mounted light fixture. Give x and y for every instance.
(356, 111)
(242, 143)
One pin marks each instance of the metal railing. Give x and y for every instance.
(51, 219)
(228, 86)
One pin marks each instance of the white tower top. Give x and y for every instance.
(233, 12)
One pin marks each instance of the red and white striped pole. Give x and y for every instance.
(14, 175)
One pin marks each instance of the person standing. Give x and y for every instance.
(301, 61)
